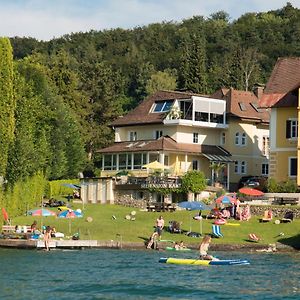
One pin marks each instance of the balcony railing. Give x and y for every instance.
(150, 182)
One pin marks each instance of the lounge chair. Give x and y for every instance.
(267, 216)
(253, 237)
(288, 217)
(216, 231)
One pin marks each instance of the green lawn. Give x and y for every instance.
(104, 227)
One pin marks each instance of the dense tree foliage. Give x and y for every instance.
(7, 103)
(99, 75)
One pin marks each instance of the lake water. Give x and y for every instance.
(124, 274)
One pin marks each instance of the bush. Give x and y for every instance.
(289, 186)
(194, 182)
(56, 188)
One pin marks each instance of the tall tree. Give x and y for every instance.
(7, 103)
(193, 67)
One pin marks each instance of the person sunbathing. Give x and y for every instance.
(246, 214)
(225, 214)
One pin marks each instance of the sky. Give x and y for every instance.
(48, 19)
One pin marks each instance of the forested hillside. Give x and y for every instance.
(73, 87)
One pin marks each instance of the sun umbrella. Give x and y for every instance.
(72, 186)
(194, 205)
(70, 214)
(250, 191)
(41, 212)
(155, 165)
(225, 199)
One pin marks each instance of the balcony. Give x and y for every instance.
(198, 112)
(149, 182)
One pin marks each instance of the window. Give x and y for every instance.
(114, 162)
(292, 166)
(291, 129)
(201, 116)
(132, 136)
(158, 134)
(242, 106)
(243, 139)
(153, 157)
(265, 169)
(137, 160)
(129, 161)
(240, 167)
(166, 160)
(195, 165)
(162, 106)
(236, 167)
(265, 145)
(223, 138)
(122, 161)
(195, 137)
(237, 138)
(243, 167)
(240, 139)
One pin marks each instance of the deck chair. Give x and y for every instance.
(216, 231)
(266, 217)
(253, 237)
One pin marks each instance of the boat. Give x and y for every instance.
(180, 249)
(201, 262)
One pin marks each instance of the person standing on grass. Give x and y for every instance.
(160, 223)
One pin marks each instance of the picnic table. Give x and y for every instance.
(161, 206)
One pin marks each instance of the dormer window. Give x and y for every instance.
(242, 106)
(162, 106)
(132, 136)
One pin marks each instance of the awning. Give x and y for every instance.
(219, 158)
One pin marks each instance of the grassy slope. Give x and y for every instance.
(103, 227)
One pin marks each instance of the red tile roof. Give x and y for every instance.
(164, 143)
(242, 104)
(284, 79)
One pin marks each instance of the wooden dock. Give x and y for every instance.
(68, 244)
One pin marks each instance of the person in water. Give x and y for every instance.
(181, 245)
(203, 248)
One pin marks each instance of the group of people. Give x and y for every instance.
(234, 211)
(47, 233)
(243, 214)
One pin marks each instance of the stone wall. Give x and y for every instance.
(127, 198)
(278, 211)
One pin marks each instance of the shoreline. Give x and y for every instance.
(89, 244)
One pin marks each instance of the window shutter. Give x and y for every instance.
(288, 129)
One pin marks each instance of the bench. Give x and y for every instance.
(285, 200)
(12, 228)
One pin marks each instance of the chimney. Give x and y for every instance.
(258, 90)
